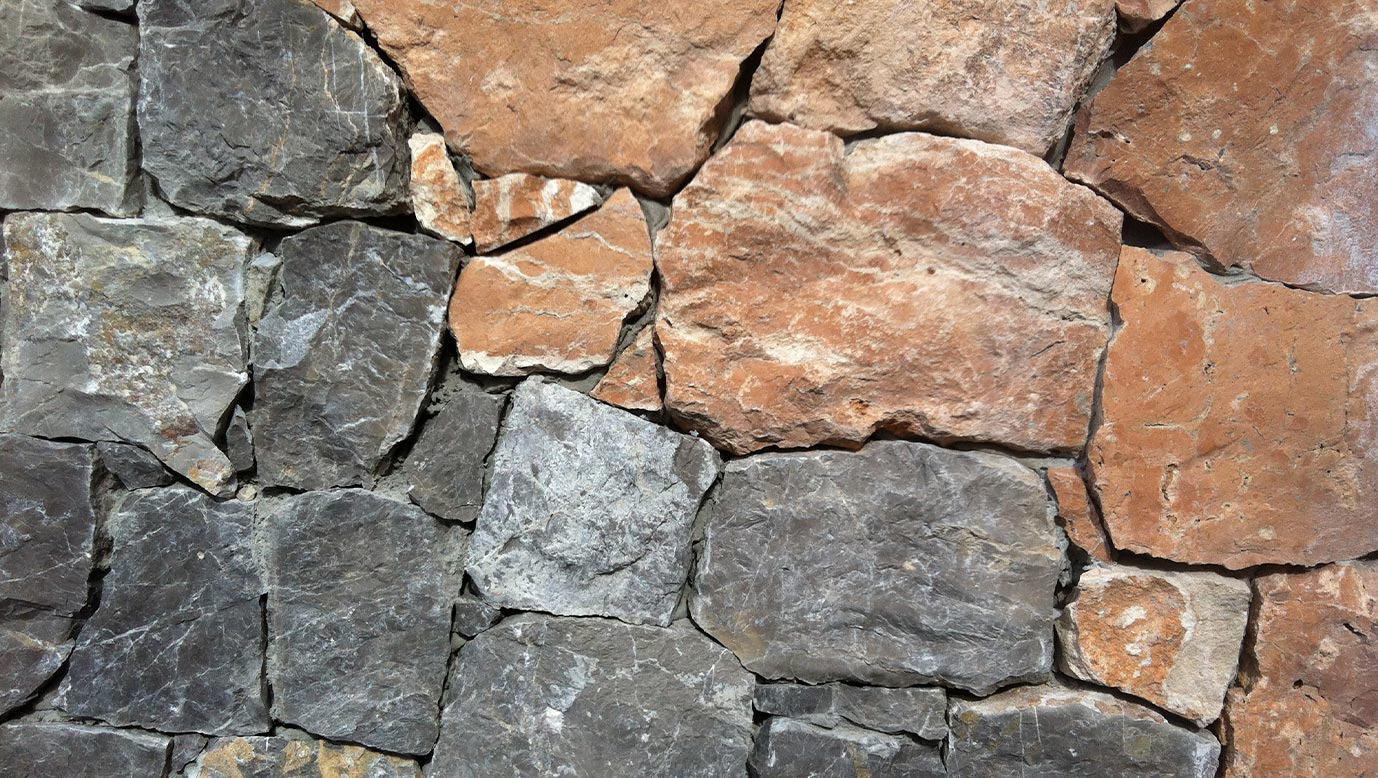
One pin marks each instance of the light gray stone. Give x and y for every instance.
(61, 750)
(134, 466)
(446, 466)
(918, 711)
(786, 748)
(239, 441)
(277, 757)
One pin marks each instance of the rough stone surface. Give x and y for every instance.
(1004, 71)
(177, 642)
(1057, 732)
(589, 510)
(359, 595)
(1171, 638)
(513, 206)
(633, 380)
(276, 757)
(267, 112)
(556, 304)
(916, 711)
(239, 441)
(1309, 700)
(610, 90)
(118, 6)
(538, 696)
(1078, 517)
(343, 10)
(895, 565)
(473, 615)
(446, 466)
(786, 748)
(797, 289)
(134, 466)
(437, 195)
(1135, 15)
(344, 360)
(1244, 131)
(1238, 420)
(260, 280)
(80, 751)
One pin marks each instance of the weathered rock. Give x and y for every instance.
(1059, 732)
(1078, 517)
(797, 289)
(34, 642)
(589, 510)
(1238, 424)
(80, 751)
(937, 566)
(134, 466)
(276, 757)
(1308, 704)
(515, 205)
(1171, 638)
(1001, 71)
(917, 711)
(343, 10)
(359, 596)
(633, 380)
(446, 466)
(1135, 15)
(66, 109)
(177, 642)
(1241, 131)
(126, 330)
(786, 748)
(437, 195)
(260, 279)
(268, 112)
(585, 698)
(239, 441)
(343, 361)
(473, 615)
(185, 750)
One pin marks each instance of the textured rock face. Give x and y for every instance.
(126, 330)
(437, 195)
(589, 511)
(79, 751)
(275, 757)
(1138, 14)
(135, 467)
(446, 466)
(1238, 425)
(786, 748)
(1240, 131)
(1003, 71)
(342, 363)
(611, 90)
(632, 382)
(938, 566)
(268, 112)
(781, 222)
(1309, 702)
(916, 711)
(1078, 516)
(537, 696)
(516, 205)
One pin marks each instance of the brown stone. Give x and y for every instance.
(1076, 514)
(1003, 71)
(343, 10)
(514, 206)
(437, 195)
(556, 304)
(1245, 131)
(933, 287)
(1135, 15)
(1238, 419)
(633, 381)
(628, 91)
(279, 757)
(1309, 700)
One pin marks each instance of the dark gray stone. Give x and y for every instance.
(895, 565)
(813, 704)
(343, 361)
(61, 750)
(277, 757)
(447, 464)
(134, 466)
(117, 6)
(786, 748)
(540, 696)
(185, 750)
(473, 615)
(921, 712)
(268, 112)
(239, 441)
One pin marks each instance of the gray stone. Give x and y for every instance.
(921, 712)
(277, 757)
(343, 361)
(117, 6)
(126, 330)
(1058, 732)
(814, 704)
(61, 750)
(66, 109)
(786, 748)
(359, 595)
(895, 565)
(177, 642)
(260, 279)
(185, 750)
(540, 696)
(268, 112)
(239, 441)
(447, 464)
(473, 615)
(134, 466)
(589, 511)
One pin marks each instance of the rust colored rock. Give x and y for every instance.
(1003, 71)
(557, 304)
(933, 287)
(1078, 516)
(633, 381)
(437, 195)
(1135, 15)
(628, 91)
(343, 10)
(1309, 700)
(1245, 131)
(1239, 425)
(514, 206)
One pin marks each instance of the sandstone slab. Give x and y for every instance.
(916, 711)
(80, 751)
(786, 748)
(134, 466)
(633, 380)
(276, 757)
(510, 207)
(446, 466)
(1077, 515)
(797, 289)
(437, 195)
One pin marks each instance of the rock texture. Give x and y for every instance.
(276, 757)
(1135, 15)
(447, 465)
(515, 205)
(786, 748)
(797, 289)
(916, 711)
(1078, 517)
(80, 751)
(538, 696)
(589, 511)
(938, 566)
(1238, 427)
(437, 195)
(633, 380)
(134, 466)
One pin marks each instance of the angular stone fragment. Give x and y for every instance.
(276, 757)
(1242, 131)
(1238, 420)
(134, 466)
(343, 10)
(633, 380)
(798, 286)
(267, 112)
(786, 748)
(185, 750)
(473, 615)
(80, 751)
(539, 696)
(260, 280)
(917, 711)
(895, 565)
(1135, 15)
(239, 441)
(437, 195)
(446, 466)
(118, 6)
(343, 361)
(557, 304)
(513, 206)
(1078, 516)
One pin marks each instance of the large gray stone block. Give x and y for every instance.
(61, 750)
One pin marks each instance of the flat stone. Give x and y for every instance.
(177, 642)
(359, 595)
(343, 361)
(633, 380)
(938, 566)
(1135, 15)
(1075, 513)
(126, 330)
(797, 284)
(447, 464)
(1004, 72)
(916, 711)
(239, 441)
(786, 748)
(1239, 131)
(510, 207)
(1238, 427)
(134, 466)
(473, 615)
(268, 112)
(276, 757)
(1308, 699)
(539, 696)
(79, 751)
(437, 195)
(1059, 732)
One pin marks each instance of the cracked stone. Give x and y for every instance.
(786, 748)
(134, 466)
(239, 441)
(513, 206)
(1135, 15)
(437, 194)
(276, 757)
(916, 711)
(80, 751)
(473, 615)
(633, 380)
(446, 466)
(1078, 516)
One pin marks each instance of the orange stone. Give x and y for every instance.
(437, 195)
(343, 10)
(1138, 14)
(633, 380)
(1078, 516)
(514, 206)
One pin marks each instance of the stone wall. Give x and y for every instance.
(602, 388)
